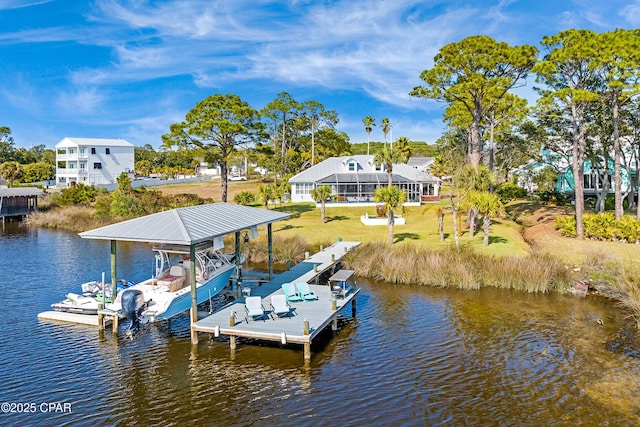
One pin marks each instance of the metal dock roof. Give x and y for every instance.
(186, 226)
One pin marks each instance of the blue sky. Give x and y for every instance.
(130, 68)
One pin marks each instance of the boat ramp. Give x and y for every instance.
(307, 318)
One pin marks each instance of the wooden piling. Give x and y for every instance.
(353, 307)
(232, 342)
(307, 351)
(100, 316)
(194, 332)
(115, 324)
(307, 344)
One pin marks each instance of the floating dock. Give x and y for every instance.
(308, 318)
(82, 319)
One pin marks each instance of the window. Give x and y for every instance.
(82, 151)
(107, 151)
(97, 165)
(93, 150)
(72, 151)
(352, 166)
(304, 188)
(72, 165)
(379, 167)
(83, 166)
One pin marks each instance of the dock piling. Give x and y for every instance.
(100, 317)
(115, 324)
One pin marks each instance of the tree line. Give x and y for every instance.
(588, 106)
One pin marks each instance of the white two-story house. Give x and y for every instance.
(92, 161)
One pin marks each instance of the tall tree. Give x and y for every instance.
(388, 156)
(571, 82)
(385, 125)
(318, 117)
(331, 143)
(6, 145)
(392, 197)
(476, 72)
(282, 111)
(368, 122)
(218, 124)
(617, 64)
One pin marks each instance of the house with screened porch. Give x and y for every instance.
(353, 180)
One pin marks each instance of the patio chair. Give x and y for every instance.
(279, 306)
(254, 308)
(291, 293)
(306, 292)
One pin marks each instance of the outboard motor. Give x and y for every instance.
(132, 306)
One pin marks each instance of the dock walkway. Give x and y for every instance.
(308, 318)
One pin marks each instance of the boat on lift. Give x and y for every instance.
(167, 293)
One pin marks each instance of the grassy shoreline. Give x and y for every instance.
(525, 252)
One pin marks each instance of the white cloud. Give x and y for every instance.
(80, 101)
(18, 4)
(631, 13)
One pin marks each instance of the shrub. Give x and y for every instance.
(78, 194)
(245, 198)
(510, 191)
(553, 197)
(610, 203)
(602, 226)
(566, 225)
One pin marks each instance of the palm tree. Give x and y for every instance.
(387, 157)
(392, 197)
(322, 193)
(440, 213)
(368, 123)
(488, 205)
(10, 171)
(266, 193)
(402, 145)
(386, 127)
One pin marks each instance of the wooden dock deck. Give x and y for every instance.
(308, 318)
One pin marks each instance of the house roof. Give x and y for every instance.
(419, 161)
(186, 226)
(17, 192)
(338, 166)
(99, 142)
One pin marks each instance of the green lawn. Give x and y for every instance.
(421, 228)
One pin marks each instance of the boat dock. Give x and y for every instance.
(307, 318)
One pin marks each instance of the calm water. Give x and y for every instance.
(413, 356)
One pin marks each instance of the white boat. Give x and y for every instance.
(167, 293)
(87, 301)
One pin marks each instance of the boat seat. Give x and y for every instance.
(174, 280)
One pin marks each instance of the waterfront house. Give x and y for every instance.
(354, 179)
(594, 174)
(92, 161)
